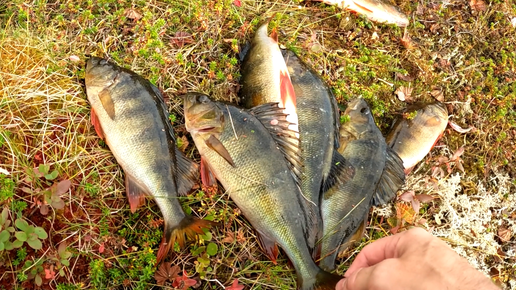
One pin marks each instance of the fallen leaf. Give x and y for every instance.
(181, 38)
(63, 186)
(237, 3)
(102, 248)
(407, 196)
(424, 198)
(478, 5)
(457, 154)
(74, 58)
(132, 14)
(513, 22)
(235, 286)
(438, 95)
(407, 78)
(406, 41)
(416, 205)
(504, 234)
(166, 272)
(404, 94)
(459, 128)
(183, 282)
(229, 239)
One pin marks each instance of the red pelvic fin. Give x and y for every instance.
(96, 124)
(207, 177)
(269, 246)
(135, 193)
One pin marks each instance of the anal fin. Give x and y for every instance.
(392, 179)
(96, 124)
(340, 172)
(269, 246)
(187, 173)
(135, 192)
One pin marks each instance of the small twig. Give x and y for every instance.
(231, 120)
(390, 84)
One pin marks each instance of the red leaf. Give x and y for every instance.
(416, 205)
(407, 196)
(166, 272)
(457, 154)
(424, 198)
(50, 273)
(237, 3)
(101, 248)
(181, 38)
(235, 286)
(459, 128)
(183, 282)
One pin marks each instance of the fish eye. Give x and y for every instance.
(203, 99)
(364, 110)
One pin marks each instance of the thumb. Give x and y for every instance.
(341, 285)
(358, 280)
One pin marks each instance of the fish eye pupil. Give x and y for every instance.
(203, 99)
(363, 110)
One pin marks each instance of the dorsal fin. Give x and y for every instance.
(392, 179)
(185, 170)
(336, 119)
(273, 118)
(340, 172)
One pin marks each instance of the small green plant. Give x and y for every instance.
(30, 234)
(35, 270)
(5, 230)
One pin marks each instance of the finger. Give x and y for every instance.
(386, 248)
(374, 253)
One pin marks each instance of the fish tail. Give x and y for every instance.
(187, 229)
(322, 281)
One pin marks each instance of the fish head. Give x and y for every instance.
(100, 73)
(202, 115)
(360, 118)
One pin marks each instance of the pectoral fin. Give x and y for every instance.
(392, 179)
(107, 103)
(216, 145)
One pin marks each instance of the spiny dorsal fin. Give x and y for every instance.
(336, 119)
(340, 172)
(273, 118)
(185, 170)
(392, 179)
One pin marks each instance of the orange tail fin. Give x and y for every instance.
(187, 229)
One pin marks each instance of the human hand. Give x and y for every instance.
(413, 259)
